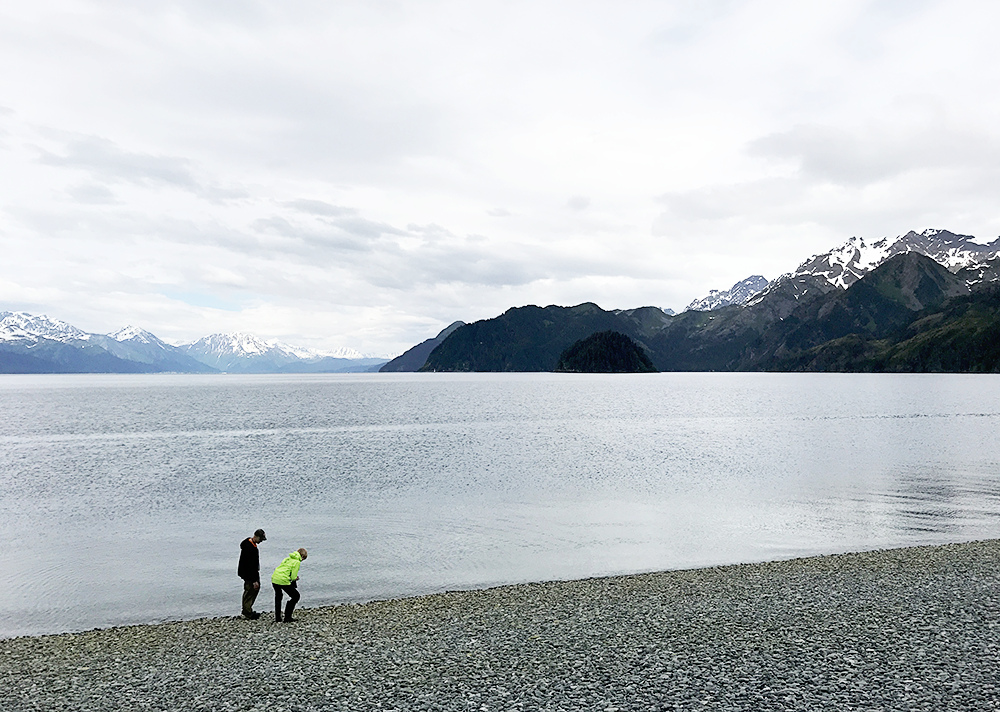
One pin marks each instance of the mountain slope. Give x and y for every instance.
(960, 336)
(879, 303)
(44, 355)
(414, 358)
(134, 344)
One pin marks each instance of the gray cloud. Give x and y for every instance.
(862, 156)
(430, 232)
(310, 239)
(104, 160)
(319, 207)
(723, 202)
(372, 250)
(91, 193)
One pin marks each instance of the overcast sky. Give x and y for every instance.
(361, 174)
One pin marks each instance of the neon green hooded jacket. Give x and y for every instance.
(288, 570)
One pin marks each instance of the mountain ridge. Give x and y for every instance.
(739, 293)
(778, 330)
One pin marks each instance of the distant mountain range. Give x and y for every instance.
(917, 302)
(926, 301)
(245, 353)
(38, 344)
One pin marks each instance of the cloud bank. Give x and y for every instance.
(361, 174)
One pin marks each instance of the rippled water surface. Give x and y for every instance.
(123, 499)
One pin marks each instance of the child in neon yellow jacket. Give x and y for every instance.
(283, 580)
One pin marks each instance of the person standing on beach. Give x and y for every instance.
(284, 581)
(249, 571)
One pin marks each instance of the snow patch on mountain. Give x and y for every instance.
(135, 335)
(739, 293)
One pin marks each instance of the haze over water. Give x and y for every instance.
(123, 499)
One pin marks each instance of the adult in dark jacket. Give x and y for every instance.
(249, 571)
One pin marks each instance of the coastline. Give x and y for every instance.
(905, 628)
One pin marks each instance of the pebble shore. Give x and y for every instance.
(901, 629)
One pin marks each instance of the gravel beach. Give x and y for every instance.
(902, 629)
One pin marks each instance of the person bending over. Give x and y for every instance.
(283, 580)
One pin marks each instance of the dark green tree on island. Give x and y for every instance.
(605, 352)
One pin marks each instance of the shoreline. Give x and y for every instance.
(894, 628)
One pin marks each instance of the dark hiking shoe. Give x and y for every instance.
(291, 620)
(277, 618)
(254, 615)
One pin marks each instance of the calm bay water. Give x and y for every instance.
(123, 499)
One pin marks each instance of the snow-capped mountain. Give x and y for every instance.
(844, 265)
(342, 352)
(235, 344)
(15, 326)
(308, 354)
(138, 345)
(239, 352)
(246, 353)
(739, 293)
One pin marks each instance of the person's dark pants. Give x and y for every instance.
(293, 598)
(249, 596)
